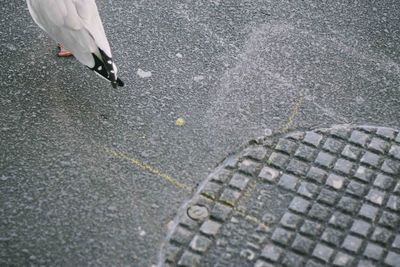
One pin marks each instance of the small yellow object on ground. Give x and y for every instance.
(180, 122)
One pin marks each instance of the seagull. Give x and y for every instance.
(77, 27)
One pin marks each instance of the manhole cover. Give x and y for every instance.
(328, 197)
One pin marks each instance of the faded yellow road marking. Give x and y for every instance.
(149, 168)
(292, 115)
(247, 193)
(252, 219)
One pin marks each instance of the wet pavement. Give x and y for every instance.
(90, 175)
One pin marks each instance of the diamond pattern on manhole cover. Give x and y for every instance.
(327, 197)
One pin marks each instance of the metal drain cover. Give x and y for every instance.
(327, 197)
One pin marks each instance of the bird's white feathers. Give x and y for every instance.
(74, 23)
(77, 25)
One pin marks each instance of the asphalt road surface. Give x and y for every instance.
(91, 175)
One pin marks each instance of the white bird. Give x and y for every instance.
(77, 25)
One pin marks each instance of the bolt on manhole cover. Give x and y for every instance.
(327, 197)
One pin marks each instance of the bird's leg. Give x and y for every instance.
(63, 52)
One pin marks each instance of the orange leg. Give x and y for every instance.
(63, 52)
